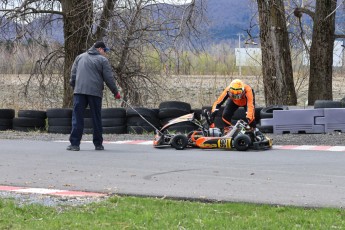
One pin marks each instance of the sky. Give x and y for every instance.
(176, 2)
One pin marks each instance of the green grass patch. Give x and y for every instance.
(149, 213)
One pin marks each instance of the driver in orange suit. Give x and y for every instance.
(237, 94)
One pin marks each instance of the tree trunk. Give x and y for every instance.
(276, 57)
(321, 52)
(78, 18)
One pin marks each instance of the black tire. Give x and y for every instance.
(242, 142)
(5, 122)
(7, 113)
(168, 113)
(179, 142)
(113, 113)
(32, 114)
(5, 127)
(28, 122)
(267, 112)
(59, 121)
(59, 113)
(327, 104)
(145, 112)
(138, 121)
(60, 129)
(173, 109)
(140, 129)
(179, 105)
(111, 122)
(258, 114)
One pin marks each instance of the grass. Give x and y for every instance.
(149, 213)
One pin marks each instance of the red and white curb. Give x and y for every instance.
(52, 192)
(311, 147)
(282, 147)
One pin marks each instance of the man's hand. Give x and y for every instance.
(117, 96)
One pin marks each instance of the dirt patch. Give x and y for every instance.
(197, 90)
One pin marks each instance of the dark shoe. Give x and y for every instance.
(73, 148)
(99, 147)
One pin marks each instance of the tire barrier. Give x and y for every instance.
(276, 119)
(30, 120)
(137, 125)
(114, 121)
(171, 109)
(267, 113)
(59, 120)
(319, 104)
(6, 119)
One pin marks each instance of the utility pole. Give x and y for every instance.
(239, 54)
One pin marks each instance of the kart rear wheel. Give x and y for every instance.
(179, 142)
(242, 142)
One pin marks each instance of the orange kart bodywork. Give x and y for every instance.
(241, 138)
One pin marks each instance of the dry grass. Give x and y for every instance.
(197, 90)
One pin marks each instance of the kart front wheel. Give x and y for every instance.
(179, 142)
(242, 142)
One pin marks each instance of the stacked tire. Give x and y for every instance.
(114, 121)
(267, 112)
(6, 119)
(137, 125)
(30, 120)
(59, 120)
(322, 104)
(169, 110)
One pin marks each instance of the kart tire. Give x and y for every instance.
(242, 142)
(179, 142)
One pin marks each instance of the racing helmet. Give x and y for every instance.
(236, 90)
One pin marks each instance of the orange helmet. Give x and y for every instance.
(236, 90)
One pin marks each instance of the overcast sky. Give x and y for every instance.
(176, 1)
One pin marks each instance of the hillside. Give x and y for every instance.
(228, 18)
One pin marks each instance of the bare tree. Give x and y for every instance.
(276, 58)
(321, 50)
(130, 26)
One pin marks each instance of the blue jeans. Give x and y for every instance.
(80, 102)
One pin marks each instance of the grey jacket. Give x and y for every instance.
(89, 72)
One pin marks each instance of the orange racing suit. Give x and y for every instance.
(247, 101)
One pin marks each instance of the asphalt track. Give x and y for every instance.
(279, 176)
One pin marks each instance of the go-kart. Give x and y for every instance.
(240, 136)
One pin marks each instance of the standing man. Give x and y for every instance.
(89, 72)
